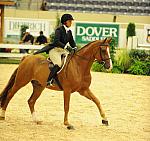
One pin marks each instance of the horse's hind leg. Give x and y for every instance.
(37, 90)
(5, 103)
(88, 94)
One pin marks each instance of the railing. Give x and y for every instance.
(143, 46)
(17, 46)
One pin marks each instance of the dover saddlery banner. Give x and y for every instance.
(88, 32)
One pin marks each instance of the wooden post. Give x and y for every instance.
(2, 4)
(1, 22)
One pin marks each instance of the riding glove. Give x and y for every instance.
(75, 49)
(70, 49)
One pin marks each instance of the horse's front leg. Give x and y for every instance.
(66, 109)
(88, 94)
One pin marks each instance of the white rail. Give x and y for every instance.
(143, 46)
(18, 46)
(21, 46)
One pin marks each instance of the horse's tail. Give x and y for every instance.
(9, 85)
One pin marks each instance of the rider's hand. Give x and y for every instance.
(69, 48)
(75, 49)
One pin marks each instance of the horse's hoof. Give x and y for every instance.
(105, 122)
(38, 122)
(70, 127)
(2, 118)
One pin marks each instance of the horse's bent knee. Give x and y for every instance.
(30, 102)
(85, 94)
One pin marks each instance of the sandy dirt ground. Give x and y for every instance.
(125, 98)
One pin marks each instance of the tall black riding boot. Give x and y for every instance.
(53, 73)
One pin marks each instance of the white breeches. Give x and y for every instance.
(55, 55)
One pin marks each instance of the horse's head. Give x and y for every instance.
(103, 53)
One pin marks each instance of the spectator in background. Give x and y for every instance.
(27, 39)
(5, 50)
(41, 39)
(44, 6)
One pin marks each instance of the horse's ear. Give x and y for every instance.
(109, 40)
(104, 40)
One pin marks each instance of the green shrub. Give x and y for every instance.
(9, 61)
(140, 68)
(123, 61)
(148, 66)
(130, 30)
(141, 55)
(52, 36)
(117, 69)
(97, 67)
(113, 50)
(45, 54)
(58, 23)
(140, 62)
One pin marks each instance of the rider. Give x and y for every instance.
(62, 44)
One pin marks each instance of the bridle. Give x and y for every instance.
(102, 62)
(102, 59)
(101, 54)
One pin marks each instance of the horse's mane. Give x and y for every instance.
(86, 45)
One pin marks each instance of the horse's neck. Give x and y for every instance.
(87, 52)
(85, 57)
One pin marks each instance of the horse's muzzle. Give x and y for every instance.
(108, 65)
(109, 70)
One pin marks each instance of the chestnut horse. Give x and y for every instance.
(74, 77)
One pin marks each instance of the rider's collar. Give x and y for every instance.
(66, 28)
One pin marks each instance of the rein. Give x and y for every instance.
(87, 59)
(102, 62)
(84, 58)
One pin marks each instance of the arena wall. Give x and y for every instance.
(122, 20)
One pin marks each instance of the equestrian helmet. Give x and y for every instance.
(66, 17)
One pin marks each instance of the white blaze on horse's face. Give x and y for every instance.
(111, 66)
